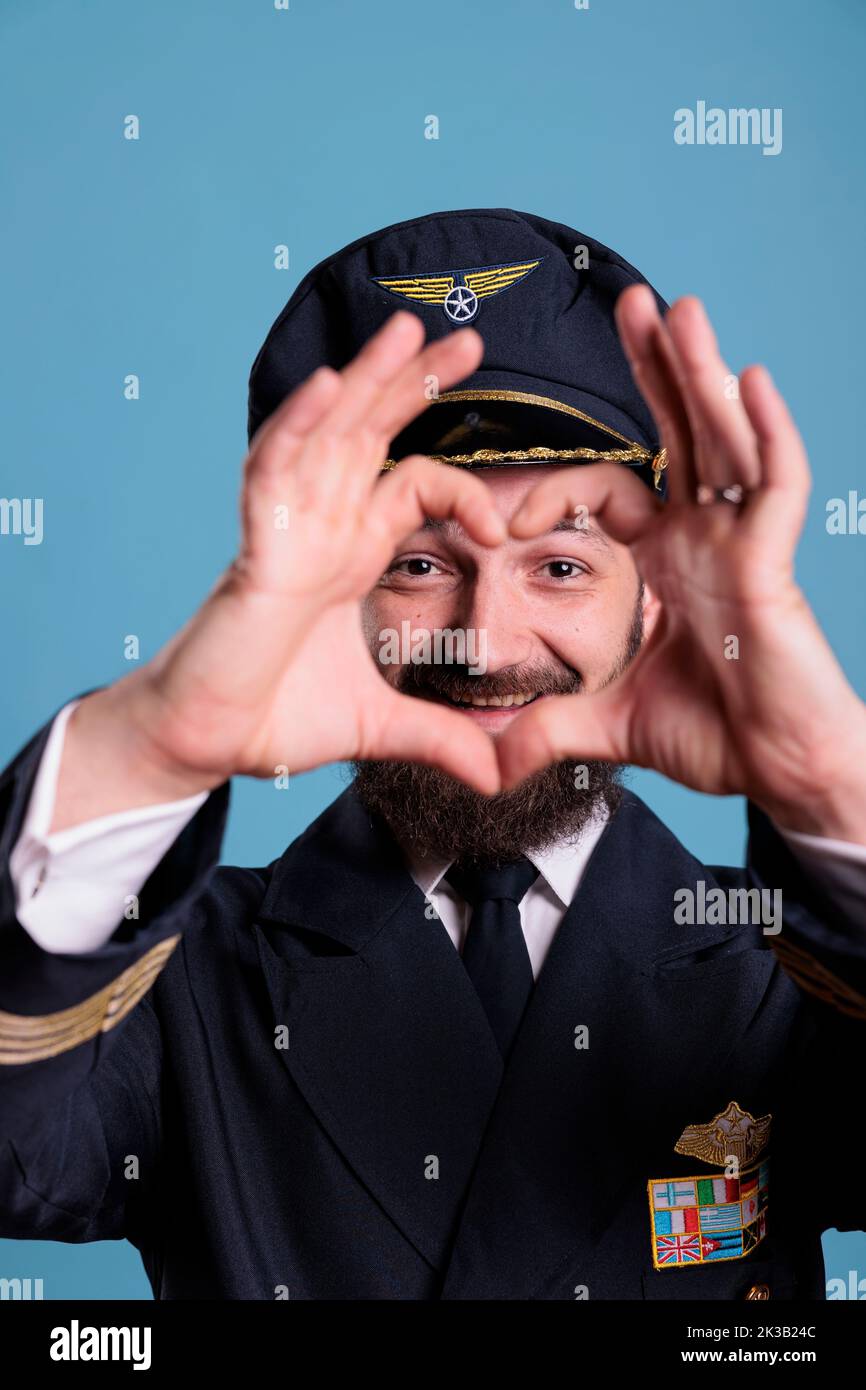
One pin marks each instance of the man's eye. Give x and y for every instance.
(415, 565)
(564, 569)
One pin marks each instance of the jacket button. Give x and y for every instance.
(758, 1291)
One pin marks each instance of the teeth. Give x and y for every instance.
(499, 701)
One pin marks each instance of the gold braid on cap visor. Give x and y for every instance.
(631, 453)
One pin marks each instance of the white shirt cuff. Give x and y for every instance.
(837, 866)
(73, 888)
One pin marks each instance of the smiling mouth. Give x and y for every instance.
(517, 701)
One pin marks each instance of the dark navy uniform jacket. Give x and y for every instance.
(385, 1153)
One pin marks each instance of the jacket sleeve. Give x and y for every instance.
(80, 1044)
(821, 947)
(822, 943)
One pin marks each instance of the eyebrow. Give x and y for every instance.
(591, 534)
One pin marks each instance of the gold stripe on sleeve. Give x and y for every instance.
(33, 1038)
(815, 978)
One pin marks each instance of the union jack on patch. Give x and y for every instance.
(678, 1250)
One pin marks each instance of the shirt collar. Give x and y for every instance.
(560, 865)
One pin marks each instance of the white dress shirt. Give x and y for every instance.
(71, 887)
(560, 870)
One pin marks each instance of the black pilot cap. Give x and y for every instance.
(554, 385)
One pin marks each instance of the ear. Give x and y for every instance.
(651, 609)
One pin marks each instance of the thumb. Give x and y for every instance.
(420, 731)
(563, 726)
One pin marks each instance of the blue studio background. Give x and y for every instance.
(305, 127)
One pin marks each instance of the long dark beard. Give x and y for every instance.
(433, 816)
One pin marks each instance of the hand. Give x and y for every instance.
(736, 690)
(274, 671)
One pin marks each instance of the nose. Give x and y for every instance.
(491, 607)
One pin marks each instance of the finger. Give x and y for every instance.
(276, 448)
(401, 401)
(650, 356)
(281, 436)
(623, 505)
(725, 448)
(565, 726)
(440, 365)
(400, 338)
(782, 499)
(318, 399)
(420, 731)
(379, 374)
(418, 488)
(355, 433)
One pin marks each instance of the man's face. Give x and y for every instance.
(560, 613)
(559, 606)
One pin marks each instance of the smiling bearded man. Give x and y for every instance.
(437, 817)
(456, 1042)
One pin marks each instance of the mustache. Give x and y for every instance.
(456, 683)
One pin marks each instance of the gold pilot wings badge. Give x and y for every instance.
(732, 1133)
(458, 292)
(699, 1220)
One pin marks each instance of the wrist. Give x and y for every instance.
(111, 763)
(831, 804)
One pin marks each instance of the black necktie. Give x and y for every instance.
(495, 954)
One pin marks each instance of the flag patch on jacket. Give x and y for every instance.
(699, 1220)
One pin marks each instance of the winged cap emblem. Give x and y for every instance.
(458, 292)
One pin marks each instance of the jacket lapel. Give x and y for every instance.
(387, 1040)
(574, 1127)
